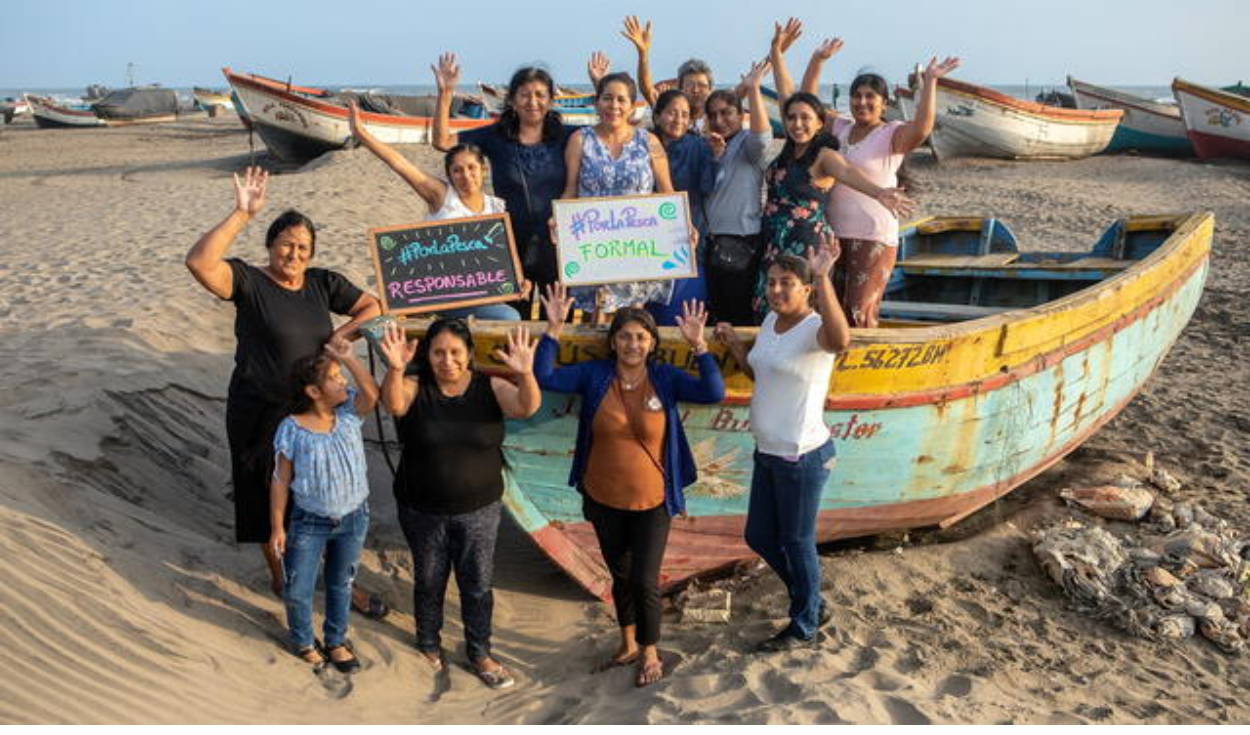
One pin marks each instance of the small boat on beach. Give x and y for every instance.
(137, 106)
(49, 113)
(11, 107)
(1147, 126)
(209, 98)
(980, 122)
(992, 364)
(301, 123)
(1217, 121)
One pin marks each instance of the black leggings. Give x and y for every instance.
(632, 543)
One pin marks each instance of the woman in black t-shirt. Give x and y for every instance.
(282, 314)
(450, 479)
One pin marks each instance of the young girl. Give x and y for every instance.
(320, 466)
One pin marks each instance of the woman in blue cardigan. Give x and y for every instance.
(632, 459)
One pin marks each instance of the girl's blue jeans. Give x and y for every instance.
(781, 527)
(308, 538)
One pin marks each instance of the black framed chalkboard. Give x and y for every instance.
(445, 264)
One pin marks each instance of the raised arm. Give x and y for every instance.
(207, 257)
(522, 399)
(823, 52)
(568, 379)
(710, 386)
(446, 76)
(835, 332)
(909, 137)
(427, 187)
(783, 38)
(366, 390)
(640, 36)
(831, 163)
(751, 83)
(398, 391)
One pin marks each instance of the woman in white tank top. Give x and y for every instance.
(465, 166)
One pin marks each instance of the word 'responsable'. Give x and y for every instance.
(443, 284)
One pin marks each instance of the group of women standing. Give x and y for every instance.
(293, 423)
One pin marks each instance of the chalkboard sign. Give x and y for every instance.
(620, 239)
(445, 264)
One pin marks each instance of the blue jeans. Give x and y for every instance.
(781, 527)
(310, 536)
(500, 312)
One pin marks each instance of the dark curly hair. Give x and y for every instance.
(510, 122)
(288, 219)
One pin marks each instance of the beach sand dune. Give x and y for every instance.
(125, 599)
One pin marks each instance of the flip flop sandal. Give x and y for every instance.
(496, 678)
(614, 663)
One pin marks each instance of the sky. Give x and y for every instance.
(72, 43)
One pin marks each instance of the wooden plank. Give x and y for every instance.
(940, 312)
(991, 260)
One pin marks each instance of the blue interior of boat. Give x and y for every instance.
(954, 269)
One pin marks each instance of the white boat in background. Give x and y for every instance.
(49, 113)
(1148, 126)
(978, 121)
(1217, 122)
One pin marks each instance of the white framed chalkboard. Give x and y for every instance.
(445, 263)
(602, 240)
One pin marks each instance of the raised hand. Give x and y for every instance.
(691, 322)
(598, 67)
(897, 201)
(785, 36)
(827, 49)
(394, 349)
(822, 258)
(249, 192)
(638, 34)
(556, 302)
(338, 348)
(755, 75)
(935, 71)
(447, 72)
(519, 357)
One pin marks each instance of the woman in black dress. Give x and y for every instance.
(282, 314)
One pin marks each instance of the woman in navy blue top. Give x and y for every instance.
(632, 460)
(526, 153)
(693, 171)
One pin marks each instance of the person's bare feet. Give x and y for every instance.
(650, 669)
(624, 656)
(493, 674)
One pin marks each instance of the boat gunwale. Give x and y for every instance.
(1032, 109)
(1210, 94)
(264, 85)
(1141, 104)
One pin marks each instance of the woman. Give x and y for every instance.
(282, 313)
(526, 153)
(868, 232)
(449, 485)
(613, 158)
(798, 183)
(465, 167)
(791, 362)
(632, 461)
(693, 171)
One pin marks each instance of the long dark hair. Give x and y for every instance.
(421, 361)
(306, 371)
(638, 316)
(288, 219)
(510, 122)
(822, 139)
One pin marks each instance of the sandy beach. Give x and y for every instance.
(126, 599)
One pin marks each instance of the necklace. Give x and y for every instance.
(631, 385)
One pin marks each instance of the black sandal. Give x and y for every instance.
(346, 666)
(375, 609)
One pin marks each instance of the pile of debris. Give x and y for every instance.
(1180, 571)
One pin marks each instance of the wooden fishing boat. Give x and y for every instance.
(49, 113)
(208, 98)
(977, 121)
(1147, 125)
(1218, 122)
(993, 364)
(301, 123)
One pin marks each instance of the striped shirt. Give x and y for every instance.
(330, 477)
